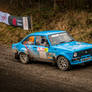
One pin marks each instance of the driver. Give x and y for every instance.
(44, 42)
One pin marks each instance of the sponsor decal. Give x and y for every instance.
(25, 23)
(51, 54)
(55, 35)
(31, 39)
(42, 52)
(27, 49)
(42, 49)
(4, 17)
(46, 49)
(50, 57)
(78, 43)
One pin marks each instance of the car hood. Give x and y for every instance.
(74, 46)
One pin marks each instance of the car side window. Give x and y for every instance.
(42, 41)
(29, 40)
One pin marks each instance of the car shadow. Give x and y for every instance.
(82, 67)
(43, 63)
(73, 68)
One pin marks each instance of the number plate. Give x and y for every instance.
(85, 59)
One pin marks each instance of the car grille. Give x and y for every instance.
(84, 52)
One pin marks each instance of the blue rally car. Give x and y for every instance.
(53, 46)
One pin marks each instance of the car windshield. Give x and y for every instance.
(60, 38)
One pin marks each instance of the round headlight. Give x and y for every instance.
(75, 54)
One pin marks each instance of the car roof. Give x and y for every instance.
(45, 33)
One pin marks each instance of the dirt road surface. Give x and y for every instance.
(41, 77)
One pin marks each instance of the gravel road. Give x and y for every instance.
(41, 77)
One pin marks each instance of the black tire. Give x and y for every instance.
(63, 63)
(16, 56)
(24, 58)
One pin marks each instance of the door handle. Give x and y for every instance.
(35, 47)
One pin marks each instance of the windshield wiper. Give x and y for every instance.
(62, 42)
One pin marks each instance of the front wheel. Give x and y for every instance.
(63, 63)
(24, 58)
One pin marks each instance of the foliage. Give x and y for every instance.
(66, 15)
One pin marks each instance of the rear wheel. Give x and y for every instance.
(15, 56)
(24, 58)
(63, 63)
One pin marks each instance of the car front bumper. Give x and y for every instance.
(80, 60)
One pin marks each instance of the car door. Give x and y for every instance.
(29, 44)
(42, 48)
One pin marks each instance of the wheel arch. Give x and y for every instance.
(21, 52)
(68, 67)
(63, 56)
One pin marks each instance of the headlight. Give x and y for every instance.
(75, 54)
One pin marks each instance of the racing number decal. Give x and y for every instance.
(42, 52)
